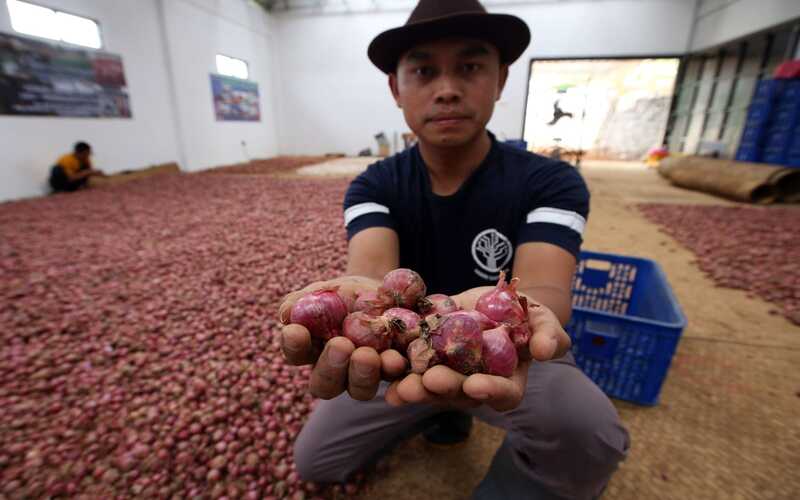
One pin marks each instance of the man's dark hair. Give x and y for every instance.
(82, 147)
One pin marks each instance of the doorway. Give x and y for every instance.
(599, 109)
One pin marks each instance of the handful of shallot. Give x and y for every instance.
(428, 330)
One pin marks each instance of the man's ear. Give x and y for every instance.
(502, 78)
(394, 89)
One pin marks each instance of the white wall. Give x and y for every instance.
(31, 145)
(333, 99)
(173, 118)
(198, 30)
(720, 21)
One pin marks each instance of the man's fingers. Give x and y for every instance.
(543, 346)
(410, 390)
(392, 397)
(445, 385)
(393, 365)
(297, 346)
(285, 309)
(549, 340)
(364, 373)
(549, 343)
(500, 393)
(443, 381)
(329, 376)
(564, 345)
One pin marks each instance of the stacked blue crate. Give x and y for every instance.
(793, 154)
(783, 127)
(792, 94)
(758, 120)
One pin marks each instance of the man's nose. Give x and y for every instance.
(448, 90)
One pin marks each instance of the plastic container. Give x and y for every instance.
(625, 325)
(793, 161)
(779, 139)
(794, 147)
(766, 90)
(792, 90)
(751, 153)
(759, 113)
(754, 134)
(772, 157)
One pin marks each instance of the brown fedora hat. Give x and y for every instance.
(436, 19)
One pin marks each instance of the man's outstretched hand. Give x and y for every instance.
(338, 365)
(444, 386)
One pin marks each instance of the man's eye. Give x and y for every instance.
(471, 67)
(423, 71)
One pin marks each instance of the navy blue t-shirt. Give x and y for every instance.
(464, 240)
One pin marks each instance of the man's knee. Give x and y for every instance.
(320, 460)
(570, 438)
(307, 455)
(304, 460)
(596, 429)
(575, 413)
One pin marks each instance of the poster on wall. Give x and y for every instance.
(235, 99)
(39, 78)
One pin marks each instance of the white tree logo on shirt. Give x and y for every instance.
(491, 250)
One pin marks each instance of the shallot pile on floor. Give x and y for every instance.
(139, 353)
(278, 165)
(750, 248)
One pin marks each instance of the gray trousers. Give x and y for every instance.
(564, 441)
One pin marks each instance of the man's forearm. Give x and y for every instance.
(82, 174)
(361, 280)
(366, 272)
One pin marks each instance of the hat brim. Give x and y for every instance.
(508, 33)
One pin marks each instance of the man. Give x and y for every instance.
(558, 113)
(458, 208)
(72, 171)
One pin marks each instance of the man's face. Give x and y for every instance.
(447, 89)
(84, 156)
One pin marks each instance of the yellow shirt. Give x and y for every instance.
(71, 164)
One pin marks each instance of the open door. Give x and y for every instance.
(601, 109)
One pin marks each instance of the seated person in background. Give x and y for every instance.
(72, 171)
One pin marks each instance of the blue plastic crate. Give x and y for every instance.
(788, 98)
(768, 89)
(754, 134)
(748, 154)
(793, 161)
(751, 145)
(794, 147)
(749, 151)
(779, 139)
(774, 157)
(788, 104)
(625, 325)
(791, 90)
(786, 112)
(759, 114)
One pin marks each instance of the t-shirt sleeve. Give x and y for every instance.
(69, 164)
(557, 208)
(366, 203)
